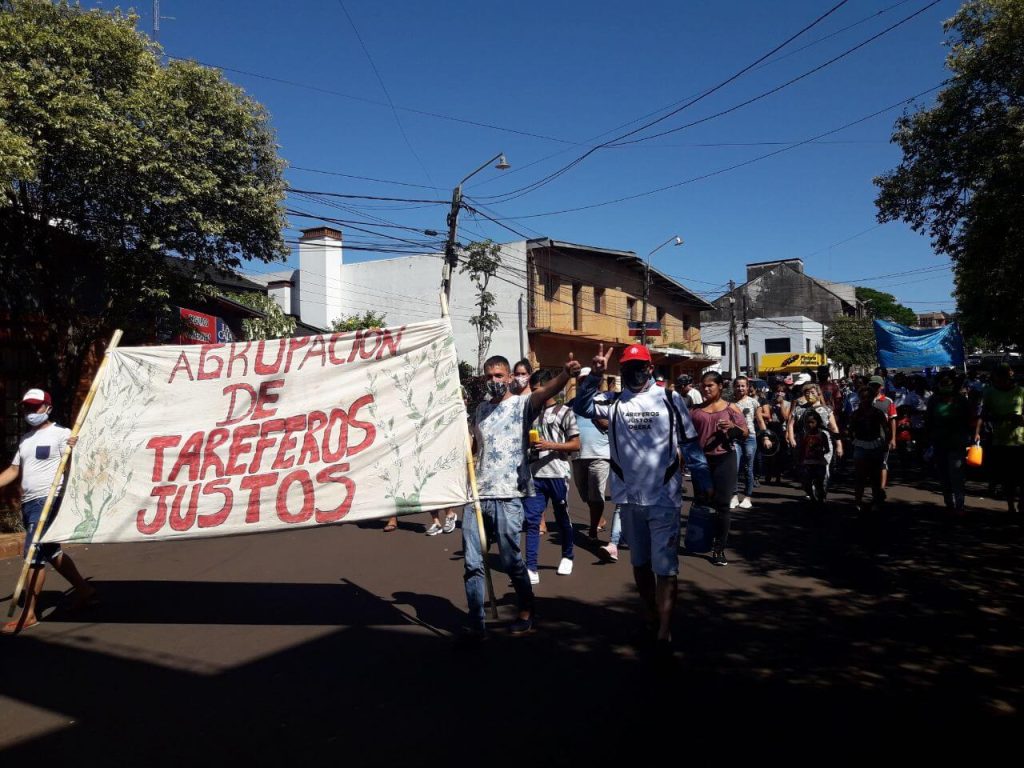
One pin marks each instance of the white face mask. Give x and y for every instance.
(37, 419)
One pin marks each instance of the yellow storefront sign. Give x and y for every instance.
(786, 362)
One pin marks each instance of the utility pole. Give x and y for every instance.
(733, 351)
(647, 292)
(451, 257)
(746, 336)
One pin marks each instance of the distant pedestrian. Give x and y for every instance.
(949, 428)
(746, 449)
(814, 453)
(871, 433)
(1002, 407)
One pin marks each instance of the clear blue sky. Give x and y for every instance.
(572, 70)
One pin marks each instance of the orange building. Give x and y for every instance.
(580, 296)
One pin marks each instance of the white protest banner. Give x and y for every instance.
(220, 439)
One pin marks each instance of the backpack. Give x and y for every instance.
(675, 417)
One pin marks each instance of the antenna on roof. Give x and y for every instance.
(156, 20)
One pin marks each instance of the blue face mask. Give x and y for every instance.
(37, 419)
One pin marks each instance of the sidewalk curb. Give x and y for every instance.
(11, 545)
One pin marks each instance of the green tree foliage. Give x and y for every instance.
(109, 163)
(275, 325)
(482, 260)
(850, 341)
(885, 307)
(369, 319)
(961, 179)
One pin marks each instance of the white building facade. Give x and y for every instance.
(405, 290)
(793, 334)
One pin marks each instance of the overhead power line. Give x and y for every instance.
(726, 169)
(686, 105)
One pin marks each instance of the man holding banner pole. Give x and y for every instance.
(36, 462)
(503, 479)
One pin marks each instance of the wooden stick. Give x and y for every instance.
(115, 339)
(471, 469)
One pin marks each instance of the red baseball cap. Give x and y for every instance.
(36, 397)
(635, 352)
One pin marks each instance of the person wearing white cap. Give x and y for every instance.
(36, 461)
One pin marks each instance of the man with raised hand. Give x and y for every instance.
(649, 430)
(500, 431)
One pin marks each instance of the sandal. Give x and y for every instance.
(16, 627)
(391, 525)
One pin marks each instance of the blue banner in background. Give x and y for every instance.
(903, 347)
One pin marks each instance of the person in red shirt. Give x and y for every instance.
(888, 407)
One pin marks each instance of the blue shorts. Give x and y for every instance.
(30, 513)
(653, 535)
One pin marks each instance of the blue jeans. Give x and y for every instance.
(555, 490)
(616, 535)
(503, 521)
(745, 450)
(31, 511)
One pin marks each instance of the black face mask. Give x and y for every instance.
(635, 376)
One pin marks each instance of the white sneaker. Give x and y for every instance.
(534, 576)
(449, 523)
(434, 529)
(734, 503)
(565, 567)
(745, 504)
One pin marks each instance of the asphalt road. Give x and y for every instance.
(825, 638)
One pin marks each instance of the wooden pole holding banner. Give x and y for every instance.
(115, 339)
(471, 468)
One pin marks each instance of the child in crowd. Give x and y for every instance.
(814, 452)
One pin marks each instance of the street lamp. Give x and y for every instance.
(674, 240)
(450, 257)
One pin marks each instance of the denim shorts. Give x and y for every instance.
(653, 536)
(30, 514)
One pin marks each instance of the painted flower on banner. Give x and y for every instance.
(405, 484)
(123, 399)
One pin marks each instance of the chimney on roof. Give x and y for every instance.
(758, 268)
(319, 283)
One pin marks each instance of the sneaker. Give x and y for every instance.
(521, 626)
(534, 577)
(449, 523)
(565, 567)
(745, 504)
(734, 503)
(718, 558)
(434, 529)
(609, 552)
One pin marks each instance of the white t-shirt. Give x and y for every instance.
(645, 437)
(695, 396)
(557, 424)
(748, 406)
(38, 456)
(501, 469)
